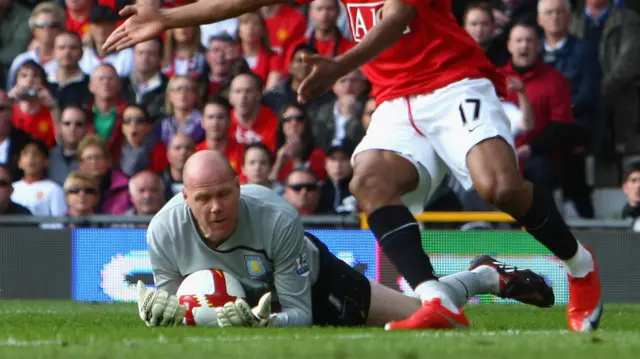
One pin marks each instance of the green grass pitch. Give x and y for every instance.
(50, 329)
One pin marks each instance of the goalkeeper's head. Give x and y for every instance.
(212, 190)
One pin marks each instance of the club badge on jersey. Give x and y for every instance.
(302, 265)
(363, 16)
(255, 267)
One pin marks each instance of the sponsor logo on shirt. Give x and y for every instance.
(363, 17)
(302, 266)
(255, 267)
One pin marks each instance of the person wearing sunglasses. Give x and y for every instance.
(141, 150)
(72, 128)
(302, 191)
(46, 21)
(7, 206)
(82, 194)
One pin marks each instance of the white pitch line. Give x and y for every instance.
(12, 342)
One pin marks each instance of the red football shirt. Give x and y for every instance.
(332, 48)
(265, 64)
(262, 130)
(233, 152)
(80, 27)
(285, 27)
(433, 53)
(39, 125)
(315, 163)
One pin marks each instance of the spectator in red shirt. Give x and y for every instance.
(326, 37)
(285, 24)
(216, 119)
(550, 96)
(140, 150)
(251, 121)
(296, 147)
(219, 64)
(77, 14)
(255, 47)
(35, 104)
(182, 54)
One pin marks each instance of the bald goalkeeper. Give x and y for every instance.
(252, 233)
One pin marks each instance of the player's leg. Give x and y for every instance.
(483, 156)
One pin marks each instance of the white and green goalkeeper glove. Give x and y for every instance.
(158, 308)
(240, 314)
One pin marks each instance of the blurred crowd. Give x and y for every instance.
(86, 132)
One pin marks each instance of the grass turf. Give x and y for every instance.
(50, 329)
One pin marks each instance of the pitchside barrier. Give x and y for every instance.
(102, 264)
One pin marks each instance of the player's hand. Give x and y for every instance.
(159, 308)
(324, 73)
(144, 23)
(240, 314)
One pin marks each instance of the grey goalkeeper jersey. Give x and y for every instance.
(267, 252)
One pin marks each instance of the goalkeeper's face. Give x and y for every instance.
(214, 205)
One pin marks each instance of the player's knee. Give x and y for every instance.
(500, 191)
(372, 188)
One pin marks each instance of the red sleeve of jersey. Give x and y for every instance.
(561, 110)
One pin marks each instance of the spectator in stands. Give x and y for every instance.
(285, 24)
(62, 158)
(615, 33)
(296, 145)
(336, 188)
(302, 191)
(147, 86)
(181, 111)
(256, 50)
(106, 111)
(103, 21)
(95, 160)
(580, 66)
(287, 91)
(251, 121)
(41, 195)
(508, 12)
(35, 106)
(227, 27)
(68, 84)
(256, 166)
(147, 194)
(14, 34)
(180, 148)
(46, 21)
(7, 206)
(77, 13)
(82, 195)
(367, 112)
(182, 54)
(550, 96)
(325, 36)
(141, 150)
(631, 188)
(479, 22)
(219, 65)
(12, 139)
(216, 119)
(339, 120)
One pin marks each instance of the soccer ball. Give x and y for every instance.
(204, 290)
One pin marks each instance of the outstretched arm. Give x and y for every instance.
(209, 11)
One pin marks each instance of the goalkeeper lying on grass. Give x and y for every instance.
(255, 235)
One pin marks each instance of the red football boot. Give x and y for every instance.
(585, 304)
(432, 315)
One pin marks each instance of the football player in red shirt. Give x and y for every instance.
(438, 107)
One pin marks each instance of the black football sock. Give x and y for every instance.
(399, 236)
(544, 223)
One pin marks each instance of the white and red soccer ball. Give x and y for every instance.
(203, 290)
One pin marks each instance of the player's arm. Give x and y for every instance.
(396, 16)
(209, 11)
(292, 279)
(165, 272)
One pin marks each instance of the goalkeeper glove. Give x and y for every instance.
(240, 314)
(158, 308)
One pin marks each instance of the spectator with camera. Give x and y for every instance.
(73, 126)
(46, 22)
(14, 34)
(95, 160)
(140, 150)
(180, 148)
(106, 111)
(68, 83)
(147, 86)
(35, 106)
(339, 120)
(216, 119)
